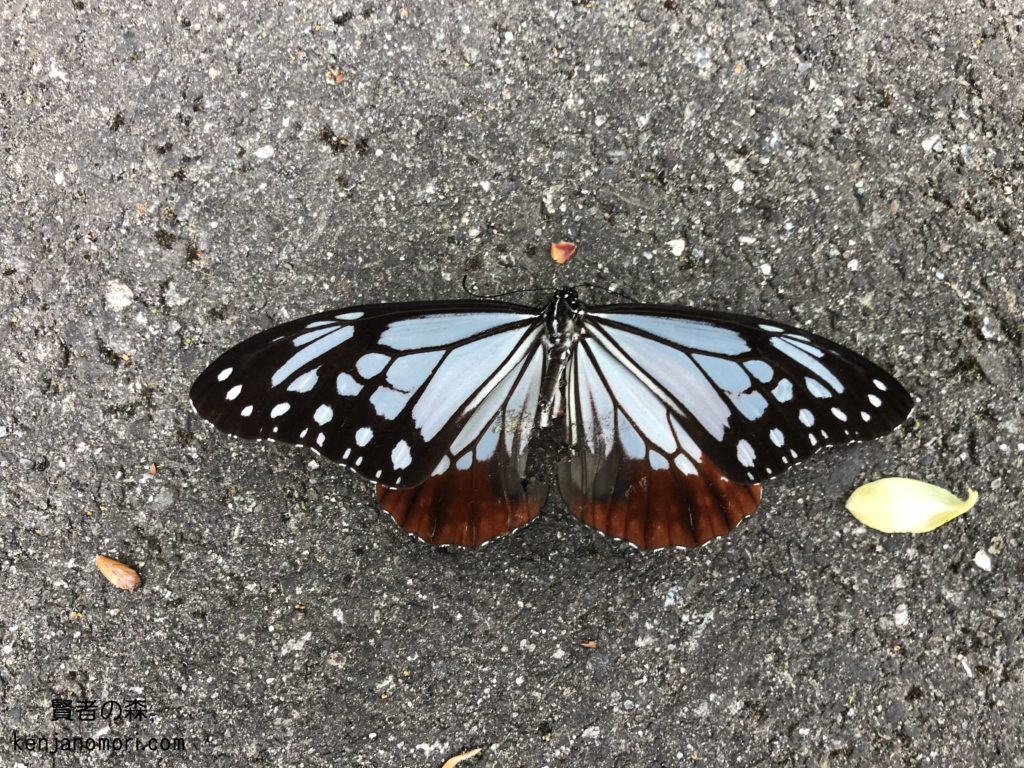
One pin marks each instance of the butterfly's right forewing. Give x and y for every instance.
(477, 492)
(382, 389)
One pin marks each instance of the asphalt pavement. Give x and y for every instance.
(177, 177)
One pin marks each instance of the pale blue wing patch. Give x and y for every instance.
(311, 351)
(693, 334)
(388, 402)
(347, 386)
(631, 417)
(796, 351)
(371, 364)
(407, 373)
(444, 329)
(673, 372)
(305, 382)
(460, 378)
(509, 410)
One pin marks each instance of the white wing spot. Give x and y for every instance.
(346, 454)
(320, 439)
(348, 386)
(400, 455)
(777, 437)
(280, 410)
(349, 316)
(806, 417)
(812, 438)
(247, 411)
(359, 461)
(303, 433)
(839, 414)
(234, 392)
(750, 404)
(880, 385)
(224, 374)
(875, 400)
(363, 436)
(866, 416)
(323, 414)
(770, 328)
(465, 461)
(745, 453)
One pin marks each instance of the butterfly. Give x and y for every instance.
(674, 416)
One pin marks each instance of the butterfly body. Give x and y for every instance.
(563, 325)
(674, 415)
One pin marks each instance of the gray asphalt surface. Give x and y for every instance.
(172, 181)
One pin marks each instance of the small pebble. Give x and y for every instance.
(983, 560)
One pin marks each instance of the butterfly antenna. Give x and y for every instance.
(475, 295)
(609, 291)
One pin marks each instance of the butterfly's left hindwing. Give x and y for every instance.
(382, 389)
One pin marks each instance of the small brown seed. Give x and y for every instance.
(118, 574)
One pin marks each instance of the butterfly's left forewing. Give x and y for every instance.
(678, 414)
(756, 396)
(637, 474)
(382, 389)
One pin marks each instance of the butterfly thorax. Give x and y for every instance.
(563, 325)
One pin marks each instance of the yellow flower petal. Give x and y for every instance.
(902, 505)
